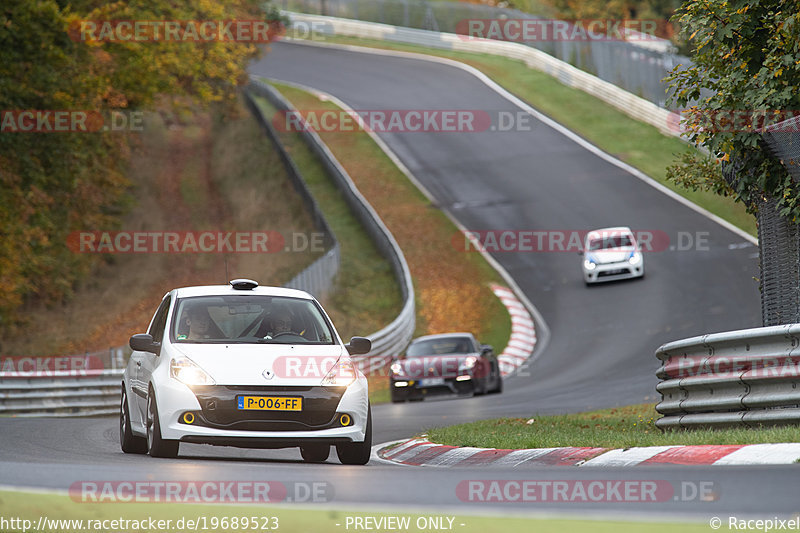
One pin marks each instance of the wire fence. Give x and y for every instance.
(779, 237)
(638, 66)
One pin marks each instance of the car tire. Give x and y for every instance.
(499, 387)
(157, 446)
(396, 398)
(357, 453)
(315, 453)
(129, 442)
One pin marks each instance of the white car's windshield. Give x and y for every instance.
(249, 319)
(610, 242)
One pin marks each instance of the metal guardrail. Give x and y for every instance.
(393, 338)
(634, 106)
(747, 377)
(62, 394)
(74, 385)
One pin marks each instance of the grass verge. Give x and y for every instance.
(299, 519)
(620, 427)
(634, 142)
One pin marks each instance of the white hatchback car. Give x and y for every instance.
(611, 254)
(245, 366)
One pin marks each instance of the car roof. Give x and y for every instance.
(227, 290)
(444, 336)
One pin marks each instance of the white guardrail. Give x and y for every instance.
(748, 377)
(634, 106)
(97, 392)
(75, 385)
(61, 395)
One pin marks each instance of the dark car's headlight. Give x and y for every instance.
(468, 363)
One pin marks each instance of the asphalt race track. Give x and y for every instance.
(602, 339)
(58, 453)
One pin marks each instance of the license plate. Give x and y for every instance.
(270, 403)
(431, 382)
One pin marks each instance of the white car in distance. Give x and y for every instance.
(611, 254)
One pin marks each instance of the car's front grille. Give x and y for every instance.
(615, 272)
(219, 406)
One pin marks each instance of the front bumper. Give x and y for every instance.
(613, 271)
(217, 419)
(420, 388)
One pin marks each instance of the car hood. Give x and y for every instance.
(616, 255)
(428, 366)
(264, 364)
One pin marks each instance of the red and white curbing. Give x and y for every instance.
(420, 452)
(523, 333)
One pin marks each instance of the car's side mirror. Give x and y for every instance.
(486, 349)
(358, 345)
(143, 342)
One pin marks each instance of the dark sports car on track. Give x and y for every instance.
(448, 363)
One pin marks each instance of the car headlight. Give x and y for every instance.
(634, 258)
(468, 363)
(343, 373)
(188, 373)
(396, 368)
(588, 264)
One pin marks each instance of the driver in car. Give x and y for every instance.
(282, 322)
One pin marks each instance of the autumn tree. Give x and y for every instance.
(52, 184)
(745, 76)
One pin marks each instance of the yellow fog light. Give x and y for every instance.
(188, 418)
(345, 420)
